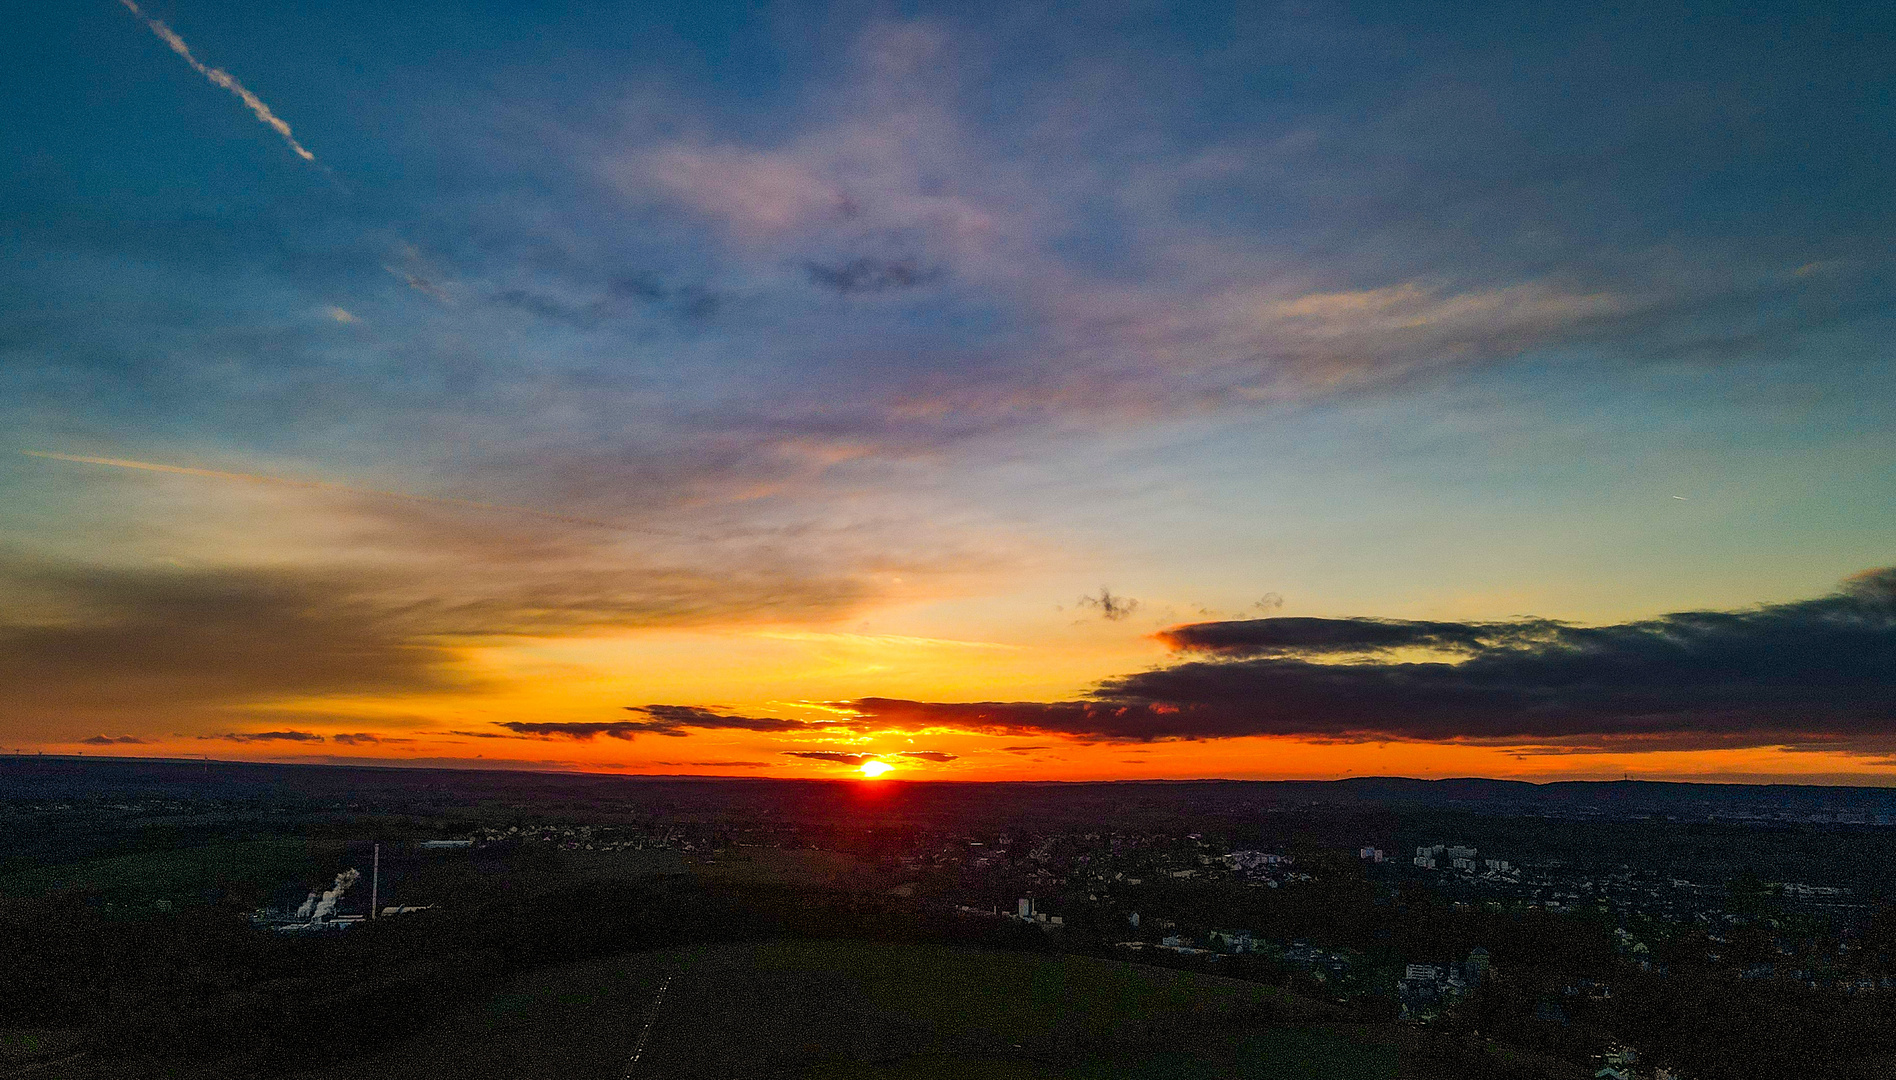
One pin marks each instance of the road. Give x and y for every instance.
(645, 1033)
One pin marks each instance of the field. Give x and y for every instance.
(187, 873)
(893, 1012)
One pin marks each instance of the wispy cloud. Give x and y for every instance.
(266, 736)
(316, 485)
(114, 740)
(220, 77)
(1141, 271)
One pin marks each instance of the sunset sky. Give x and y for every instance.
(998, 391)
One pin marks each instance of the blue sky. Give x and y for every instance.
(924, 321)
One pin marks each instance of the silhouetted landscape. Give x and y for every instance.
(159, 917)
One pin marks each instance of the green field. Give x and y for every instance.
(247, 868)
(831, 1010)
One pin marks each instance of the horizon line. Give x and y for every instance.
(395, 766)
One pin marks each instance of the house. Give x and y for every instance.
(1239, 941)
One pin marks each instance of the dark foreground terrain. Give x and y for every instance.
(155, 921)
(834, 1009)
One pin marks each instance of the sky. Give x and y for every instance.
(1059, 391)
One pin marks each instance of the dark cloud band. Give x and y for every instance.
(676, 721)
(1299, 636)
(1814, 674)
(936, 756)
(838, 756)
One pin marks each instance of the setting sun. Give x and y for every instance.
(874, 769)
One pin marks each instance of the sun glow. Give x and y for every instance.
(873, 769)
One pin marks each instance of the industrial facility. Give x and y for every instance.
(319, 911)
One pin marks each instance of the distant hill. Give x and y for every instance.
(319, 787)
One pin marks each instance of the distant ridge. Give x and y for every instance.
(30, 777)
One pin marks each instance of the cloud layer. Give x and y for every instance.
(1814, 674)
(84, 640)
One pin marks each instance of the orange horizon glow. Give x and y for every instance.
(980, 757)
(805, 676)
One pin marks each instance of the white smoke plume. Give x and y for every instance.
(319, 907)
(219, 77)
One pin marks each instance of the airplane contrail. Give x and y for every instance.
(219, 77)
(324, 485)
